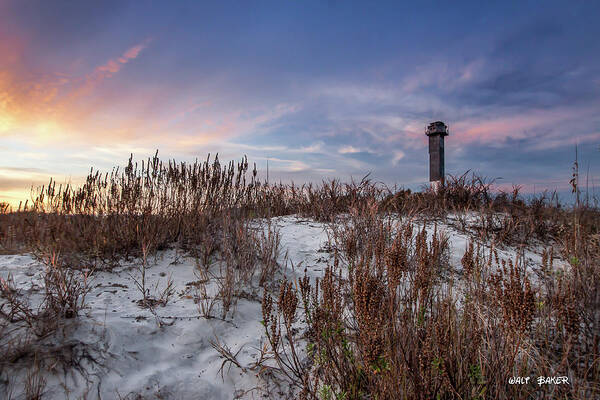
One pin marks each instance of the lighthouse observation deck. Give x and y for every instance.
(437, 128)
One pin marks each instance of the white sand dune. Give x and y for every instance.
(134, 355)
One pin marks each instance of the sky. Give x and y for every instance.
(323, 89)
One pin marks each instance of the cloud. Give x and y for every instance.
(12, 184)
(352, 92)
(108, 69)
(398, 155)
(41, 106)
(7, 169)
(228, 124)
(541, 128)
(16, 182)
(285, 165)
(444, 74)
(133, 52)
(23, 174)
(313, 148)
(24, 97)
(348, 150)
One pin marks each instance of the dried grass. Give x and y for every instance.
(398, 323)
(403, 325)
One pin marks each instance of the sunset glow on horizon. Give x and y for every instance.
(321, 89)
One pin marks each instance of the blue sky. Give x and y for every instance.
(325, 89)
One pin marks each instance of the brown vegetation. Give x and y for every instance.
(390, 319)
(404, 325)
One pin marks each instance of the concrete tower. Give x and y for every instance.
(436, 132)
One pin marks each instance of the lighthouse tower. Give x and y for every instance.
(436, 132)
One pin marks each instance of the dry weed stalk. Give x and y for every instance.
(400, 324)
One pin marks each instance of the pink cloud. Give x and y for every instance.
(551, 124)
(49, 104)
(133, 52)
(110, 68)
